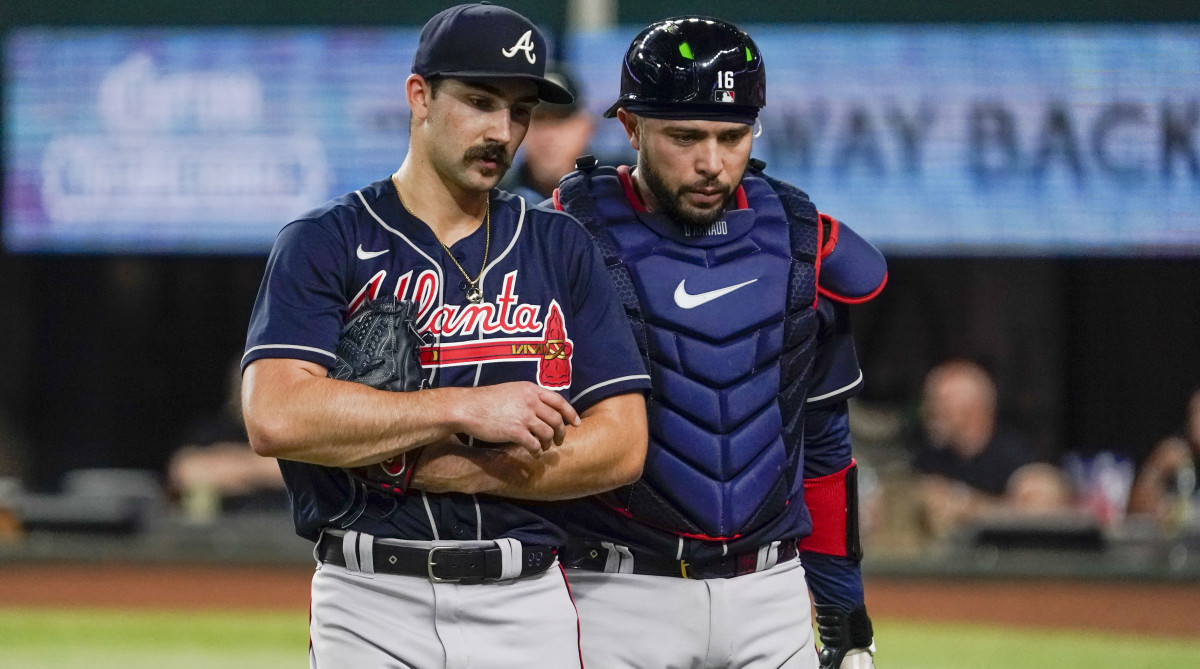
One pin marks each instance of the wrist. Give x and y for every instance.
(445, 467)
(448, 406)
(843, 634)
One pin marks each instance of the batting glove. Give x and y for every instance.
(847, 639)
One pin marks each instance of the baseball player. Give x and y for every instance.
(535, 383)
(737, 290)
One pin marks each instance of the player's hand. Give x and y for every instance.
(520, 413)
(859, 658)
(452, 466)
(846, 638)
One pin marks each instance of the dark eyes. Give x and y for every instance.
(490, 105)
(727, 138)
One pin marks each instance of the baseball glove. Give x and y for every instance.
(380, 347)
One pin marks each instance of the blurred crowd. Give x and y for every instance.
(957, 469)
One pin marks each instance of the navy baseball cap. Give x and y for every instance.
(483, 41)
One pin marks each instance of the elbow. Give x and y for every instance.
(629, 473)
(272, 427)
(269, 431)
(266, 438)
(629, 469)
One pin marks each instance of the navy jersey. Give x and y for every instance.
(549, 316)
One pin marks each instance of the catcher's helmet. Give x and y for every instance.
(693, 67)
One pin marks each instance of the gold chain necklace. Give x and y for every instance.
(474, 293)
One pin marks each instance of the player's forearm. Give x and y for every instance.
(293, 412)
(607, 450)
(834, 580)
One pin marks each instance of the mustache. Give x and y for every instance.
(493, 151)
(705, 184)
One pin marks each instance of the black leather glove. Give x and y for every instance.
(847, 639)
(381, 348)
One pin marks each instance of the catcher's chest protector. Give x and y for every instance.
(724, 318)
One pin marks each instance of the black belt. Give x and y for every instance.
(593, 556)
(440, 563)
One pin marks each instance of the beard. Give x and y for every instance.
(672, 203)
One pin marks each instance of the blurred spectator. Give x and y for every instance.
(1166, 484)
(1102, 483)
(216, 470)
(12, 450)
(558, 134)
(970, 466)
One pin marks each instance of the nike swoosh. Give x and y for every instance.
(367, 255)
(686, 300)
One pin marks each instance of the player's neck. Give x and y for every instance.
(451, 212)
(641, 192)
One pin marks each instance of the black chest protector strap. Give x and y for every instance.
(805, 236)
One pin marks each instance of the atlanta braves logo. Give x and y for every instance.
(551, 348)
(524, 44)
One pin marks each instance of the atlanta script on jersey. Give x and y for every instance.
(549, 316)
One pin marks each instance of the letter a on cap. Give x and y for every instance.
(524, 44)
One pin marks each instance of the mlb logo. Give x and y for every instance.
(723, 96)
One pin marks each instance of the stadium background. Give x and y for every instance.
(110, 354)
(1082, 345)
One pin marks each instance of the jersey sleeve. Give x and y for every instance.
(836, 374)
(301, 303)
(606, 358)
(830, 555)
(826, 440)
(833, 580)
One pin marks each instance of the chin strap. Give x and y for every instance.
(847, 638)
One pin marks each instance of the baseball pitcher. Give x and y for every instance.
(431, 359)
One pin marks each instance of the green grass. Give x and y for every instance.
(907, 645)
(98, 639)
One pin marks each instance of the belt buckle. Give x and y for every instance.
(429, 566)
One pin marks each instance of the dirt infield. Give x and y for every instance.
(1166, 609)
(1145, 608)
(155, 586)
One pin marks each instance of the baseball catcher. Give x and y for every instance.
(738, 291)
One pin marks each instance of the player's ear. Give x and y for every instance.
(419, 94)
(632, 128)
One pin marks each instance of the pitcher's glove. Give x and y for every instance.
(380, 347)
(847, 639)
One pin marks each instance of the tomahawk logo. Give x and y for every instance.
(524, 44)
(552, 351)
